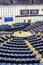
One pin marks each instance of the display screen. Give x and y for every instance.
(8, 19)
(34, 11)
(24, 12)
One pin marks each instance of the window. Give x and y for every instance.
(24, 12)
(36, 1)
(34, 11)
(21, 2)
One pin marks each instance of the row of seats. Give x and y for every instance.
(16, 51)
(12, 28)
(37, 40)
(36, 27)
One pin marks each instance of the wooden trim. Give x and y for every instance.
(27, 15)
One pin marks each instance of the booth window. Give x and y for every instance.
(24, 12)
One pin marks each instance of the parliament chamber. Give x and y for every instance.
(21, 32)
